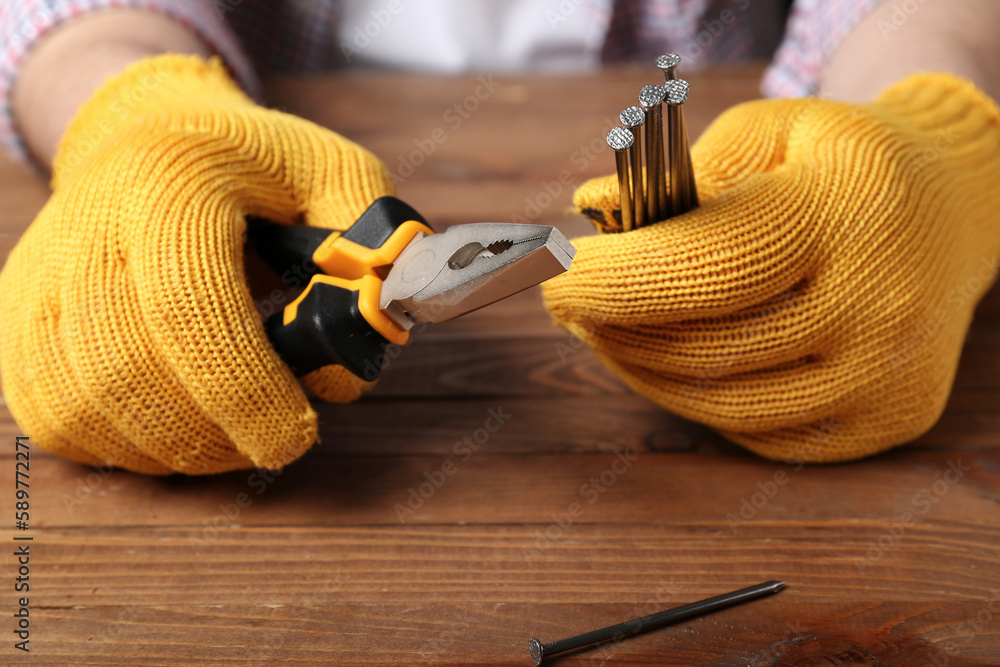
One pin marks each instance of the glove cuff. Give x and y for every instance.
(965, 119)
(150, 85)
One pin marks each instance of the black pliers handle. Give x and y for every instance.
(337, 319)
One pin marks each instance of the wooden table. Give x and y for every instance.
(320, 565)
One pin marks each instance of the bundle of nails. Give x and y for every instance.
(643, 184)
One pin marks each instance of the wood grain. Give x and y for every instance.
(365, 552)
(496, 633)
(409, 594)
(497, 486)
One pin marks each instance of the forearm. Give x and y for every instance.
(957, 36)
(72, 61)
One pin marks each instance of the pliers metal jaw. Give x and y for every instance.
(441, 277)
(370, 284)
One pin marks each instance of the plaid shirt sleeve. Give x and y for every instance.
(814, 30)
(23, 22)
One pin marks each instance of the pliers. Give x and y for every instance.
(370, 284)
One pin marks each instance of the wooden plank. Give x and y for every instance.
(935, 560)
(565, 425)
(380, 590)
(782, 630)
(560, 364)
(327, 488)
(327, 631)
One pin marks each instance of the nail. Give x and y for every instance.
(668, 62)
(540, 651)
(651, 99)
(620, 139)
(633, 118)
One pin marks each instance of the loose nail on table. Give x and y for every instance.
(540, 651)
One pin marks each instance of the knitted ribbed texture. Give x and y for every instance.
(815, 306)
(130, 336)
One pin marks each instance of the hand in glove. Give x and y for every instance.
(814, 307)
(130, 337)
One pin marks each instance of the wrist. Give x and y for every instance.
(158, 84)
(887, 45)
(69, 63)
(44, 107)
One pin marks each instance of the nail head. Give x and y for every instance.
(668, 61)
(537, 652)
(651, 95)
(620, 138)
(632, 116)
(677, 91)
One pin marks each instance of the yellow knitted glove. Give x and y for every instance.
(130, 336)
(814, 307)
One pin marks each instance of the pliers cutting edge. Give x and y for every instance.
(371, 283)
